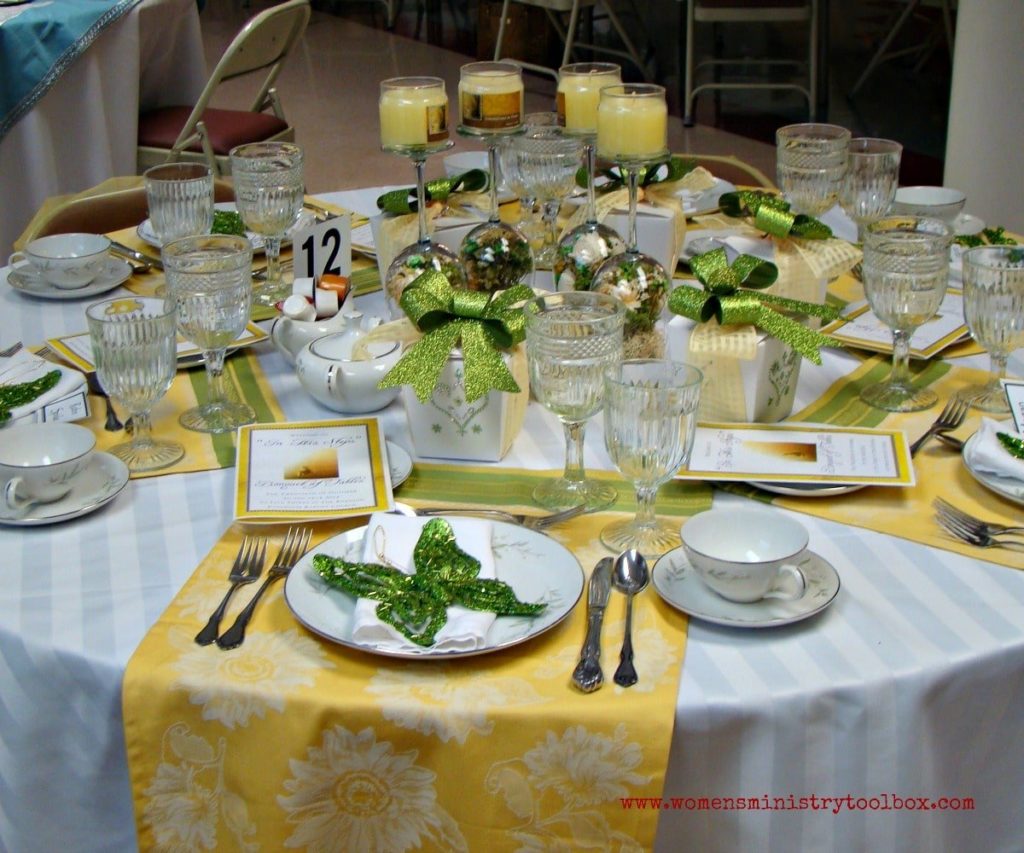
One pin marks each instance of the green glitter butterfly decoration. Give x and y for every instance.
(1013, 445)
(416, 605)
(12, 396)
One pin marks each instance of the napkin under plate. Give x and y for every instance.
(989, 455)
(25, 366)
(465, 630)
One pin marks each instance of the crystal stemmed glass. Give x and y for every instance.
(906, 267)
(582, 249)
(268, 193)
(210, 282)
(547, 162)
(994, 311)
(496, 254)
(810, 162)
(414, 124)
(650, 419)
(872, 175)
(134, 348)
(571, 338)
(180, 200)
(632, 131)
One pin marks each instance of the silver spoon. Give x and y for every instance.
(630, 575)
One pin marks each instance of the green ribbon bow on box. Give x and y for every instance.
(771, 214)
(482, 323)
(730, 296)
(672, 170)
(404, 201)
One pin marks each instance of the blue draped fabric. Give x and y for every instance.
(41, 43)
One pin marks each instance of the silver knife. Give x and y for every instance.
(588, 676)
(142, 257)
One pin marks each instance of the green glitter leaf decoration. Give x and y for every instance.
(1013, 445)
(12, 396)
(416, 605)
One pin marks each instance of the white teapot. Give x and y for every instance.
(290, 336)
(327, 371)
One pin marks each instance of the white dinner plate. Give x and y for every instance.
(697, 204)
(678, 583)
(306, 218)
(810, 490)
(537, 568)
(1008, 487)
(399, 464)
(97, 485)
(117, 272)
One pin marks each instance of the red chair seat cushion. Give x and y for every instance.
(225, 128)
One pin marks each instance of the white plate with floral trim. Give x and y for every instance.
(399, 464)
(1008, 487)
(26, 281)
(97, 485)
(678, 583)
(537, 568)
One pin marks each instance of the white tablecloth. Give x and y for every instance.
(911, 684)
(84, 129)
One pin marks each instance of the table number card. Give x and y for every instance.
(311, 470)
(325, 247)
(799, 453)
(1015, 397)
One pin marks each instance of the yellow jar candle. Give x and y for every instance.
(491, 96)
(413, 113)
(579, 92)
(632, 123)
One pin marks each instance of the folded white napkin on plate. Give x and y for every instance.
(465, 630)
(989, 455)
(24, 366)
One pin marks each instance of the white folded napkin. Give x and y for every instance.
(989, 455)
(465, 630)
(24, 366)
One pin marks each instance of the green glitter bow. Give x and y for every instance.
(730, 296)
(672, 170)
(404, 201)
(1013, 445)
(12, 396)
(482, 323)
(416, 605)
(771, 214)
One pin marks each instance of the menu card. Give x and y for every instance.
(800, 453)
(77, 349)
(859, 327)
(311, 470)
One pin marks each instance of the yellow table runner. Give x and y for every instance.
(908, 513)
(292, 741)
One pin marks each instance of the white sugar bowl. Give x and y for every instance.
(328, 372)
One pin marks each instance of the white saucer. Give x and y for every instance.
(679, 584)
(707, 201)
(117, 272)
(966, 224)
(97, 485)
(810, 490)
(399, 464)
(145, 231)
(1007, 487)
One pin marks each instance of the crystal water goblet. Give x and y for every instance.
(632, 131)
(135, 349)
(496, 255)
(650, 420)
(905, 271)
(571, 339)
(210, 281)
(872, 175)
(582, 249)
(180, 200)
(994, 311)
(269, 190)
(414, 124)
(810, 163)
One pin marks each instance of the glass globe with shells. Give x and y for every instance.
(581, 251)
(642, 285)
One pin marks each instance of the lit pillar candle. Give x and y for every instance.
(491, 96)
(579, 91)
(632, 122)
(413, 112)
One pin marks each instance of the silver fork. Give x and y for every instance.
(990, 528)
(950, 418)
(11, 350)
(965, 533)
(296, 541)
(533, 522)
(252, 554)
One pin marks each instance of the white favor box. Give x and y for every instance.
(655, 232)
(448, 427)
(449, 231)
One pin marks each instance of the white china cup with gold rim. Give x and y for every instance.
(746, 555)
(39, 462)
(67, 261)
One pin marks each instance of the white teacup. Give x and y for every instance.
(67, 261)
(39, 462)
(746, 554)
(326, 370)
(943, 203)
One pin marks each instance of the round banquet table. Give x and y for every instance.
(85, 128)
(910, 685)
